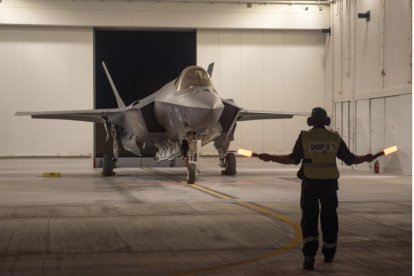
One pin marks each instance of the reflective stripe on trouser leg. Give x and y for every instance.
(310, 246)
(329, 245)
(309, 223)
(329, 249)
(310, 239)
(329, 222)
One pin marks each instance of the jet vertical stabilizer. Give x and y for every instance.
(118, 98)
(210, 69)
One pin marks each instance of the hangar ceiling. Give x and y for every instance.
(197, 14)
(291, 2)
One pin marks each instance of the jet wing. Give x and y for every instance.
(96, 116)
(248, 115)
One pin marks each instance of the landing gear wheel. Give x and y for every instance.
(108, 164)
(230, 164)
(191, 173)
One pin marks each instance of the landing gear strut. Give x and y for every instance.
(109, 160)
(192, 156)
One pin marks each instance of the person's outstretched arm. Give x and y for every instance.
(351, 159)
(363, 158)
(294, 158)
(282, 159)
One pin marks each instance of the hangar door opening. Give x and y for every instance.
(140, 63)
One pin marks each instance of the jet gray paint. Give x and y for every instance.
(187, 108)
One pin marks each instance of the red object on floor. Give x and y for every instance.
(376, 166)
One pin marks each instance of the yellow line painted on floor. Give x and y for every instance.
(296, 241)
(211, 192)
(167, 175)
(51, 174)
(194, 186)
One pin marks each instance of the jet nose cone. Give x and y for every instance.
(205, 111)
(206, 100)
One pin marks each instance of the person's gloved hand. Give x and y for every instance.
(369, 157)
(265, 157)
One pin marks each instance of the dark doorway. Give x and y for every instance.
(140, 63)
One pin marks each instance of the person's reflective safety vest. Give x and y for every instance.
(320, 147)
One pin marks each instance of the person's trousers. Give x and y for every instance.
(309, 203)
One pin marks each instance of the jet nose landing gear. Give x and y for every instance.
(192, 156)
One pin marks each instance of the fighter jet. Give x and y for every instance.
(178, 119)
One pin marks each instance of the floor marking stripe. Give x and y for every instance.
(195, 186)
(296, 240)
(162, 174)
(211, 192)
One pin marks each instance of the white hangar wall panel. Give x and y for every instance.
(377, 54)
(382, 48)
(397, 45)
(377, 119)
(383, 122)
(266, 70)
(362, 131)
(368, 48)
(45, 69)
(398, 122)
(329, 64)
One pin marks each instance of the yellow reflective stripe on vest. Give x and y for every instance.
(320, 147)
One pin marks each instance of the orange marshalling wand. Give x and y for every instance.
(386, 151)
(247, 153)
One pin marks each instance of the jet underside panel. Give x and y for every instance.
(137, 125)
(175, 118)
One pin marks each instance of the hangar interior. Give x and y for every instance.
(352, 57)
(268, 57)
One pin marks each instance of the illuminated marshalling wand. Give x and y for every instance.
(247, 153)
(386, 151)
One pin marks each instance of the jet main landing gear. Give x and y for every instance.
(191, 173)
(229, 164)
(109, 160)
(108, 164)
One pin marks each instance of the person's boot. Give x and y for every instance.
(329, 259)
(309, 262)
(329, 254)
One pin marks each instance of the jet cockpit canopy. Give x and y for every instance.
(193, 76)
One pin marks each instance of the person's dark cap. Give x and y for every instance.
(319, 117)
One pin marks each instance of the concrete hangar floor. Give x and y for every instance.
(148, 221)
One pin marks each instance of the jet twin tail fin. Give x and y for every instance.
(118, 98)
(210, 69)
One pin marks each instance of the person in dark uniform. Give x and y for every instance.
(318, 149)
